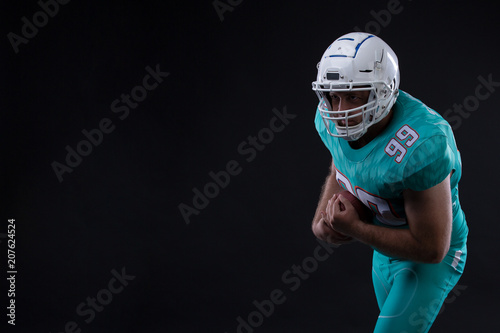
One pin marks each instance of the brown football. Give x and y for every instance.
(365, 213)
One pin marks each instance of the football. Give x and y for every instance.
(365, 213)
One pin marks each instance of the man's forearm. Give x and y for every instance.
(398, 243)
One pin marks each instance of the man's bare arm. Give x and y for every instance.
(429, 216)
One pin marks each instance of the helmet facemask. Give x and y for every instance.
(342, 118)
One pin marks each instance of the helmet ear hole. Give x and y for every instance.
(393, 84)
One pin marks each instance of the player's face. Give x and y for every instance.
(341, 101)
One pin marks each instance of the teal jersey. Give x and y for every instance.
(416, 151)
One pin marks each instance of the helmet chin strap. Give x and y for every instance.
(353, 137)
(357, 135)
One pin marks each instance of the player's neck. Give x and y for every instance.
(372, 132)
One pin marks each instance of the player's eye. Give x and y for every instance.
(334, 97)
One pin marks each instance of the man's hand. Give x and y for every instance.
(341, 215)
(319, 226)
(324, 232)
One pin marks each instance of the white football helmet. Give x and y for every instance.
(357, 61)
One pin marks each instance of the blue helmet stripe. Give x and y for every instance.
(357, 46)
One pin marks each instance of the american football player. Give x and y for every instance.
(399, 157)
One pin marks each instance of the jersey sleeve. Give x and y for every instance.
(429, 164)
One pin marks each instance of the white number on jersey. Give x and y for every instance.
(380, 206)
(407, 137)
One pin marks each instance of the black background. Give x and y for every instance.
(119, 210)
